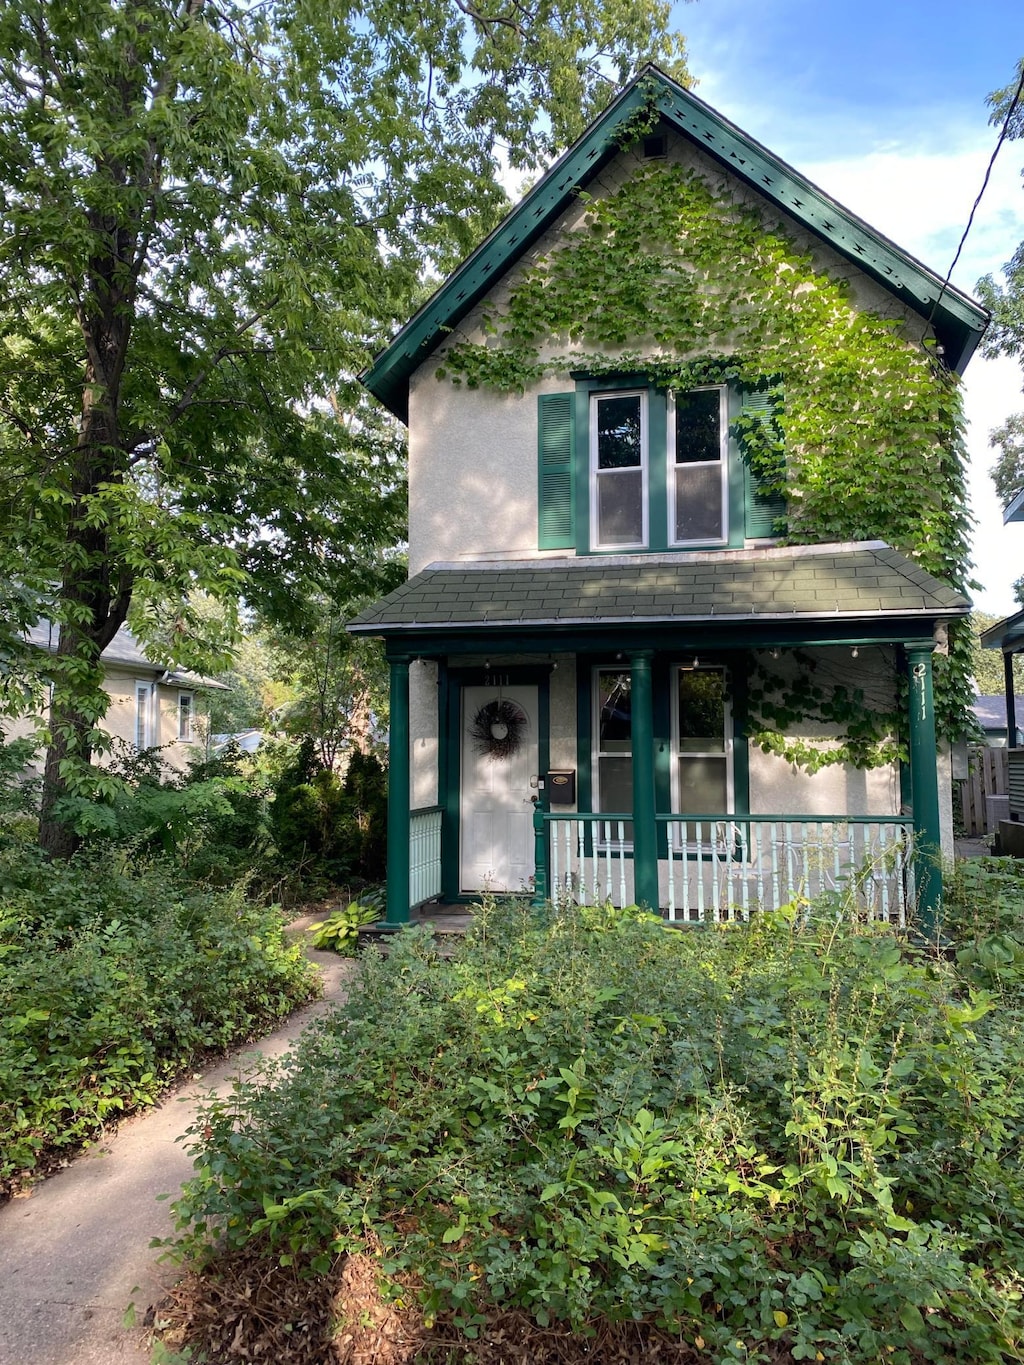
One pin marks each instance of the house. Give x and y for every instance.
(990, 713)
(685, 534)
(1008, 636)
(151, 706)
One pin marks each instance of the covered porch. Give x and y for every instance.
(455, 628)
(1008, 636)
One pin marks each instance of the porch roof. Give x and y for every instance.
(848, 583)
(1007, 635)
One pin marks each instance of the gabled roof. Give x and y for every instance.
(124, 651)
(958, 320)
(833, 583)
(1014, 509)
(990, 711)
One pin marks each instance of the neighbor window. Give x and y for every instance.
(143, 715)
(185, 715)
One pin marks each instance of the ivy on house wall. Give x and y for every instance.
(663, 278)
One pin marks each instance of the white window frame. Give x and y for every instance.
(596, 474)
(727, 752)
(596, 752)
(672, 469)
(144, 695)
(190, 711)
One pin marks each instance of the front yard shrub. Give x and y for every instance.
(794, 1141)
(114, 977)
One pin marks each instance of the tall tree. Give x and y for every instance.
(1006, 334)
(210, 215)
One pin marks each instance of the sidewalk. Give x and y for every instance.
(76, 1251)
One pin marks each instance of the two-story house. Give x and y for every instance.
(685, 528)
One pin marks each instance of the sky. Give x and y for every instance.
(883, 106)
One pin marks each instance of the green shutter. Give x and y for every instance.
(762, 510)
(556, 447)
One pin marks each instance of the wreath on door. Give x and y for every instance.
(498, 729)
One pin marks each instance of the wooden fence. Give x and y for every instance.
(987, 775)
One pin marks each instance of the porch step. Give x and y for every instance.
(446, 922)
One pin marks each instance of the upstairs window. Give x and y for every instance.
(633, 468)
(618, 455)
(698, 470)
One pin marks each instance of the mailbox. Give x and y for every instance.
(561, 787)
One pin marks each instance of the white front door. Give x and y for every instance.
(499, 771)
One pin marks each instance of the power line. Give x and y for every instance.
(984, 186)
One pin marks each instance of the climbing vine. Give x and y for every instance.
(666, 279)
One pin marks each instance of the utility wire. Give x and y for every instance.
(984, 186)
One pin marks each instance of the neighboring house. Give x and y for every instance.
(674, 352)
(151, 706)
(990, 713)
(1008, 636)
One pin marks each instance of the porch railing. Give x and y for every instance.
(721, 867)
(424, 855)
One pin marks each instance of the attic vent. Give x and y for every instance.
(655, 145)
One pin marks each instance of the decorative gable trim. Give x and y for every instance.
(958, 321)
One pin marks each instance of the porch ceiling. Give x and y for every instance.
(1007, 635)
(867, 585)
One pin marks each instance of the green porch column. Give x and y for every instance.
(645, 835)
(924, 780)
(398, 796)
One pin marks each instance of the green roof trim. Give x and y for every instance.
(959, 321)
(830, 583)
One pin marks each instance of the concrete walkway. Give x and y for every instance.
(76, 1251)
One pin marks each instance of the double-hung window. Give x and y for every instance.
(619, 470)
(143, 715)
(612, 764)
(701, 742)
(631, 468)
(185, 717)
(659, 469)
(698, 468)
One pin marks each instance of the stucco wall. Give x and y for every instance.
(473, 452)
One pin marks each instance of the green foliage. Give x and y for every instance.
(798, 1135)
(364, 836)
(987, 664)
(210, 217)
(338, 683)
(866, 434)
(114, 980)
(1005, 335)
(340, 930)
(306, 813)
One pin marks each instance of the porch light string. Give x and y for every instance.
(984, 186)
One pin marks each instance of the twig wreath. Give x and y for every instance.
(497, 729)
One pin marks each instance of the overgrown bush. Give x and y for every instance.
(793, 1141)
(329, 830)
(114, 977)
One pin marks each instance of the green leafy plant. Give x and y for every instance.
(800, 1134)
(339, 932)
